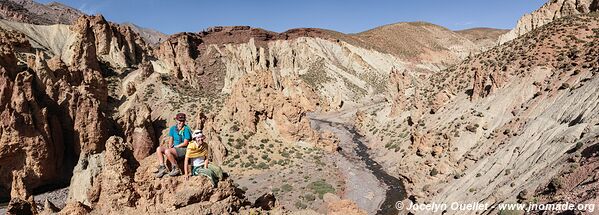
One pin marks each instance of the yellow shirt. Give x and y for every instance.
(195, 151)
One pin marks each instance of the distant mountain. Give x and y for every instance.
(483, 37)
(151, 36)
(421, 41)
(29, 11)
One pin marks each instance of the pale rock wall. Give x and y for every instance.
(550, 11)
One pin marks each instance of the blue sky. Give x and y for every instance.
(348, 16)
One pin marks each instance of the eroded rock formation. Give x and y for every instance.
(46, 114)
(549, 12)
(138, 129)
(116, 182)
(100, 41)
(399, 91)
(260, 97)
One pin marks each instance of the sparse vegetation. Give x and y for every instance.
(321, 187)
(299, 205)
(286, 188)
(555, 184)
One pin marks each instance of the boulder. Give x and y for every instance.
(117, 183)
(75, 208)
(266, 201)
(344, 207)
(18, 206)
(328, 141)
(85, 183)
(138, 129)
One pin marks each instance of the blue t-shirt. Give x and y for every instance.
(179, 136)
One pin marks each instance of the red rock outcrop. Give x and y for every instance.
(258, 97)
(75, 208)
(126, 186)
(30, 135)
(179, 53)
(486, 82)
(398, 84)
(84, 48)
(206, 123)
(97, 39)
(138, 129)
(48, 118)
(344, 207)
(117, 176)
(328, 141)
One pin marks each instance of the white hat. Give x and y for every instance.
(197, 133)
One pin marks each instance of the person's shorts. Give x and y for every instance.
(181, 152)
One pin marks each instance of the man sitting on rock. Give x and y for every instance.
(179, 136)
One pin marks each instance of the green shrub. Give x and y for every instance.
(300, 205)
(309, 197)
(286, 188)
(471, 128)
(564, 86)
(275, 190)
(321, 187)
(555, 184)
(262, 165)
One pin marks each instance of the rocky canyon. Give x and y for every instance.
(304, 121)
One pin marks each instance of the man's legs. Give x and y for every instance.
(171, 155)
(161, 170)
(160, 153)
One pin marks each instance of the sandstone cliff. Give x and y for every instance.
(47, 113)
(55, 111)
(117, 45)
(549, 12)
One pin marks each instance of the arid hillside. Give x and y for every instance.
(29, 11)
(519, 118)
(483, 37)
(421, 42)
(305, 121)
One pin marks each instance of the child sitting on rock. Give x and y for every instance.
(197, 152)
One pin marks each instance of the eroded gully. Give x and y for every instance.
(367, 183)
